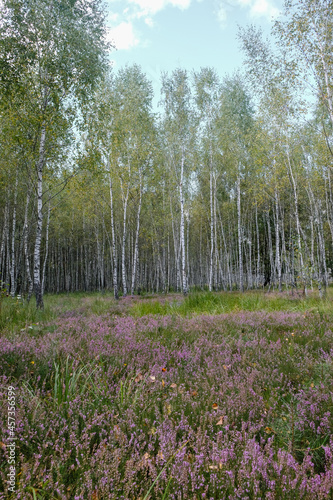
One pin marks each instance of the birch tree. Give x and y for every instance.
(236, 119)
(51, 53)
(206, 84)
(178, 134)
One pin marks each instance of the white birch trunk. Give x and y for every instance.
(46, 246)
(12, 265)
(210, 282)
(114, 252)
(239, 227)
(277, 242)
(25, 244)
(258, 250)
(136, 245)
(3, 243)
(123, 247)
(298, 226)
(38, 239)
(176, 249)
(182, 232)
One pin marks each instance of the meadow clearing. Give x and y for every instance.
(212, 396)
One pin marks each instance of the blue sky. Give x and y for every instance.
(161, 35)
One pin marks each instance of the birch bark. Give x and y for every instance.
(277, 241)
(12, 264)
(136, 245)
(298, 226)
(123, 247)
(182, 232)
(114, 250)
(46, 246)
(239, 228)
(38, 239)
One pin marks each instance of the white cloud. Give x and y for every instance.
(255, 8)
(222, 16)
(149, 22)
(113, 17)
(153, 6)
(123, 36)
(263, 8)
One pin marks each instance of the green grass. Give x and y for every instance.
(17, 314)
(152, 307)
(226, 302)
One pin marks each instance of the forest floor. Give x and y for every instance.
(214, 396)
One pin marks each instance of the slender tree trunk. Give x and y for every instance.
(12, 265)
(329, 204)
(38, 239)
(136, 246)
(25, 244)
(46, 246)
(284, 256)
(298, 226)
(277, 241)
(328, 84)
(239, 227)
(3, 245)
(210, 282)
(322, 271)
(123, 248)
(258, 250)
(114, 250)
(176, 249)
(217, 260)
(270, 251)
(182, 232)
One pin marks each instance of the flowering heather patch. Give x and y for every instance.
(235, 406)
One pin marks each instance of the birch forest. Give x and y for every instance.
(226, 185)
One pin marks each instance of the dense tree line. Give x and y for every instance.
(228, 187)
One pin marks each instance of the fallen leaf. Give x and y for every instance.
(173, 386)
(268, 430)
(138, 377)
(152, 378)
(220, 421)
(164, 370)
(146, 456)
(215, 406)
(194, 393)
(312, 384)
(163, 383)
(160, 455)
(2, 445)
(213, 467)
